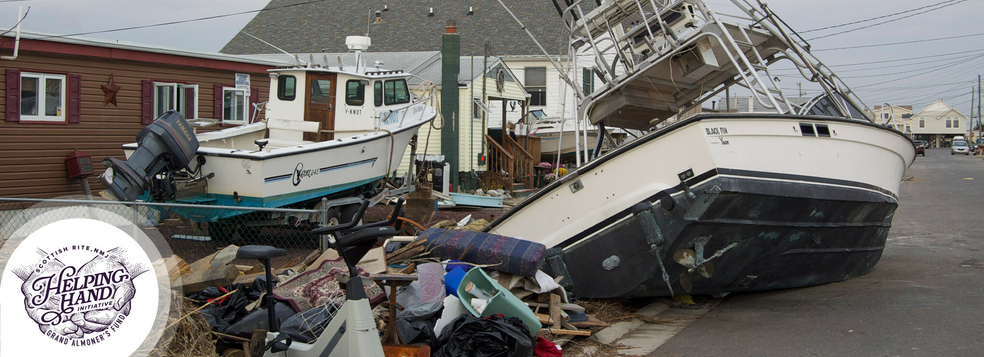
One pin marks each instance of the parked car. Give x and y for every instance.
(960, 147)
(920, 144)
(920, 150)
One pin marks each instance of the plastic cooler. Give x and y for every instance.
(503, 302)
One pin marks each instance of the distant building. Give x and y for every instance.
(938, 123)
(899, 116)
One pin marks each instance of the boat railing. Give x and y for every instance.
(641, 34)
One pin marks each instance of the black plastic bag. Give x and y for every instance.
(492, 336)
(220, 315)
(306, 326)
(258, 320)
(417, 332)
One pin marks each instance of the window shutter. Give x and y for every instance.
(217, 103)
(13, 95)
(74, 98)
(254, 97)
(146, 102)
(190, 101)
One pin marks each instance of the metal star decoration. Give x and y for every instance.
(110, 89)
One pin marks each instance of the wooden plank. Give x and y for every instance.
(557, 331)
(176, 267)
(199, 280)
(204, 263)
(555, 310)
(592, 322)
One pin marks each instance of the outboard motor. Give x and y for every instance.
(167, 143)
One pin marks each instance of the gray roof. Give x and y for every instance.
(406, 26)
(424, 65)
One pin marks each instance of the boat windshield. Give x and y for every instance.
(825, 106)
(535, 115)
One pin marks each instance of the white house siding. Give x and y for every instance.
(932, 120)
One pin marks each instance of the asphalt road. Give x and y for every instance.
(924, 298)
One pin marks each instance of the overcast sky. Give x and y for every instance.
(946, 70)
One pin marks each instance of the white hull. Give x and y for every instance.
(289, 174)
(857, 153)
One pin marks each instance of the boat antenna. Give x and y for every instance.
(271, 45)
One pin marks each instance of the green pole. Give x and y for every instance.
(450, 133)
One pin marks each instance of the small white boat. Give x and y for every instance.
(329, 131)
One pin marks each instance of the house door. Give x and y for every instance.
(320, 106)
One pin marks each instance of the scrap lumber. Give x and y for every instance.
(329, 254)
(557, 331)
(199, 280)
(225, 256)
(289, 264)
(248, 278)
(592, 322)
(204, 263)
(306, 263)
(176, 267)
(555, 310)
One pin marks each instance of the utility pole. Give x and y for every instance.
(978, 102)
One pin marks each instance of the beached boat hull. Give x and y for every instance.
(721, 203)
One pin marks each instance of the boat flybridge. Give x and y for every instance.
(719, 201)
(328, 131)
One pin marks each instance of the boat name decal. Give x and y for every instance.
(353, 111)
(716, 131)
(300, 173)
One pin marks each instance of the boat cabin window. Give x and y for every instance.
(321, 91)
(355, 92)
(377, 87)
(286, 88)
(396, 92)
(826, 107)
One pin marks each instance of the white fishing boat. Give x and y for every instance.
(717, 202)
(329, 131)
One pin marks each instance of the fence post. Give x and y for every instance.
(323, 222)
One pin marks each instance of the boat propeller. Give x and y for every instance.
(693, 260)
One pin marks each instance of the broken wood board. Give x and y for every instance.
(197, 281)
(204, 263)
(225, 256)
(557, 331)
(374, 261)
(176, 267)
(329, 254)
(555, 310)
(592, 322)
(306, 263)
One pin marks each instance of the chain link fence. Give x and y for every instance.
(196, 231)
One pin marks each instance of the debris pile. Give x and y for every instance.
(453, 289)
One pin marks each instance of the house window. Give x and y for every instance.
(587, 80)
(42, 97)
(377, 88)
(287, 88)
(908, 129)
(947, 122)
(956, 123)
(175, 96)
(396, 92)
(234, 105)
(922, 123)
(536, 85)
(355, 92)
(884, 115)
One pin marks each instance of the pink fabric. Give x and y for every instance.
(317, 287)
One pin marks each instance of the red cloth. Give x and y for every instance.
(546, 348)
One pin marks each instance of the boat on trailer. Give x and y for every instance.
(716, 202)
(328, 132)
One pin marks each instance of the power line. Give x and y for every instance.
(875, 18)
(184, 21)
(896, 43)
(887, 21)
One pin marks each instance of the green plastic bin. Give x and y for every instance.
(503, 302)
